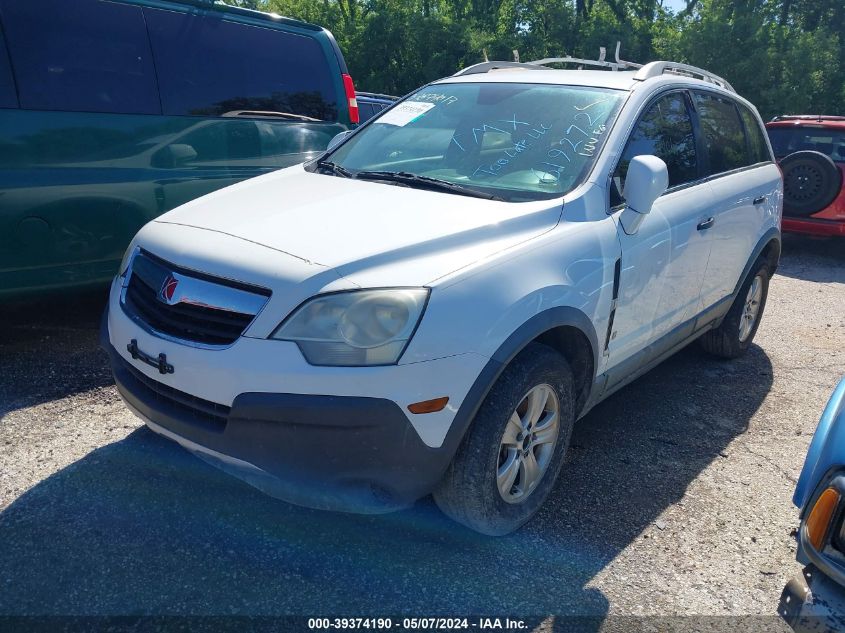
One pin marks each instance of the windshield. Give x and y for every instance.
(786, 140)
(516, 141)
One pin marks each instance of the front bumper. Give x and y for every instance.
(813, 603)
(355, 453)
(347, 453)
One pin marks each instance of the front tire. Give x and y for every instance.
(734, 336)
(511, 456)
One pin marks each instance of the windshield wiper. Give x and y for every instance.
(426, 181)
(334, 168)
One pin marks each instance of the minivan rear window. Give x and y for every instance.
(210, 66)
(94, 57)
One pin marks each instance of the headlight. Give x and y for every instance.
(361, 327)
(124, 263)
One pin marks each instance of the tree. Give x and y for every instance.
(783, 55)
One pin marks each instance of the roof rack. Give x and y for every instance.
(656, 69)
(808, 117)
(647, 71)
(542, 64)
(619, 64)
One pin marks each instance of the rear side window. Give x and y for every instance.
(756, 138)
(722, 130)
(93, 58)
(664, 130)
(8, 96)
(208, 66)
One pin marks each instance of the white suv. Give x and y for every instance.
(431, 305)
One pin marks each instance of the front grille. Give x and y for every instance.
(195, 317)
(204, 413)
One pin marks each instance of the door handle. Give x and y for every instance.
(706, 224)
(760, 200)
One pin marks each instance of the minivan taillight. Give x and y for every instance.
(349, 87)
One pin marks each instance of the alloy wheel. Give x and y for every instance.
(751, 309)
(528, 444)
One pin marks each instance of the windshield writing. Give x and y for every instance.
(519, 141)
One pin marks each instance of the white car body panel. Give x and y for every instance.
(490, 266)
(362, 224)
(663, 266)
(570, 266)
(739, 224)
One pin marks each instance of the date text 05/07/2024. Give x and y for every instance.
(409, 624)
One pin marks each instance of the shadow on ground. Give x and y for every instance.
(48, 349)
(813, 258)
(141, 527)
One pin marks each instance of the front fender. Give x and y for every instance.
(827, 449)
(542, 322)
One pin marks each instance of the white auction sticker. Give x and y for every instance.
(406, 112)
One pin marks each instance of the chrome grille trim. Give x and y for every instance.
(186, 306)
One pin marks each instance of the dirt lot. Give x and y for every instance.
(675, 499)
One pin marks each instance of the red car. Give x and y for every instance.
(811, 152)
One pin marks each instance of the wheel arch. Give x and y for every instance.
(771, 251)
(568, 331)
(769, 247)
(565, 329)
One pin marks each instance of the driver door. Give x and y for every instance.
(664, 262)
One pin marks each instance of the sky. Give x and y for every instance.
(675, 5)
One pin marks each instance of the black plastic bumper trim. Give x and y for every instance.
(347, 453)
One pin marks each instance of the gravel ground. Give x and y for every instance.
(675, 499)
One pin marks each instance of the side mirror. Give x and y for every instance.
(647, 179)
(337, 139)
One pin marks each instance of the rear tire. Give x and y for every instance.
(513, 451)
(736, 333)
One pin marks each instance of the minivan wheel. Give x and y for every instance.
(734, 336)
(513, 451)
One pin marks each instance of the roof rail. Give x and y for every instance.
(220, 5)
(656, 69)
(486, 67)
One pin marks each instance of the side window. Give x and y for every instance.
(722, 131)
(8, 95)
(664, 130)
(756, 139)
(94, 58)
(209, 66)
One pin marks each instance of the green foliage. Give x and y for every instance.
(783, 55)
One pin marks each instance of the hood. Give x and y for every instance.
(366, 230)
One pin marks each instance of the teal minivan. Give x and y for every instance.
(115, 111)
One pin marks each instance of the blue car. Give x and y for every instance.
(816, 602)
(371, 104)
